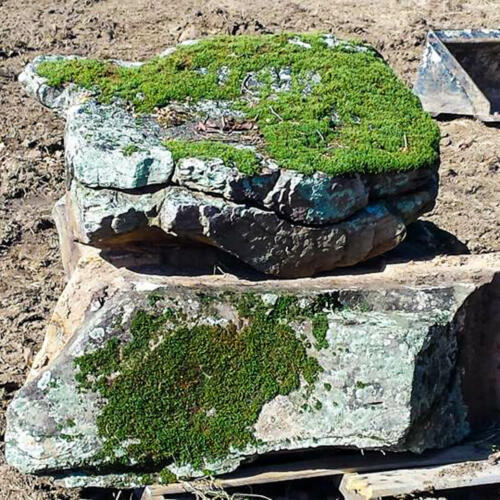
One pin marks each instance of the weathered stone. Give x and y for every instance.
(381, 186)
(255, 236)
(59, 99)
(389, 366)
(154, 360)
(316, 199)
(258, 237)
(213, 177)
(55, 98)
(123, 180)
(101, 214)
(107, 147)
(97, 138)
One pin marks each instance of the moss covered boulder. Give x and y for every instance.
(180, 376)
(294, 153)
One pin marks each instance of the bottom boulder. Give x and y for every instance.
(189, 376)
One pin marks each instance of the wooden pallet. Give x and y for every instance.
(463, 465)
(379, 485)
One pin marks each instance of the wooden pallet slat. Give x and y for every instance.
(375, 485)
(334, 465)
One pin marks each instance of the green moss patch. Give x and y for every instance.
(130, 149)
(179, 393)
(320, 328)
(243, 159)
(345, 110)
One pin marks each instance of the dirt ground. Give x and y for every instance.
(31, 146)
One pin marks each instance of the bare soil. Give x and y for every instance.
(31, 146)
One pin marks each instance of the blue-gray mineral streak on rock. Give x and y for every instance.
(413, 205)
(316, 199)
(389, 368)
(107, 147)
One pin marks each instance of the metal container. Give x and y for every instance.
(460, 74)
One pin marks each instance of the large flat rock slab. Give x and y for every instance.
(368, 361)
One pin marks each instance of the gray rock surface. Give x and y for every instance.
(101, 214)
(213, 177)
(273, 245)
(107, 147)
(390, 360)
(316, 199)
(257, 237)
(57, 99)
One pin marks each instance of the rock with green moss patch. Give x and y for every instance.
(184, 375)
(357, 117)
(307, 147)
(59, 99)
(107, 147)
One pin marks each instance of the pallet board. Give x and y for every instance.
(355, 486)
(474, 452)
